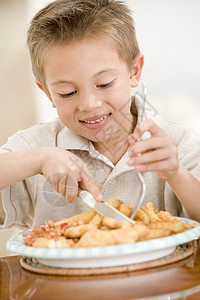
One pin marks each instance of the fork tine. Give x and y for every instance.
(140, 175)
(142, 194)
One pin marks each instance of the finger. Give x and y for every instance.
(62, 185)
(131, 139)
(153, 167)
(165, 166)
(150, 157)
(54, 181)
(88, 183)
(71, 188)
(151, 144)
(147, 125)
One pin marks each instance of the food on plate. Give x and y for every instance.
(90, 229)
(98, 238)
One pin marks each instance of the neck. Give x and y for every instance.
(116, 146)
(114, 152)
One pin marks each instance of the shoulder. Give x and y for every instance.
(41, 134)
(186, 139)
(177, 130)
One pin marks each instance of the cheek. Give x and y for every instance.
(65, 112)
(124, 84)
(67, 118)
(123, 94)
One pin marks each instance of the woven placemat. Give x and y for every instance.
(180, 253)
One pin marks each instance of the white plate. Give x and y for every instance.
(109, 256)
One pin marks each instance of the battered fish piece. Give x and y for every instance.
(99, 238)
(97, 220)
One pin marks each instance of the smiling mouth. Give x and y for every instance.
(96, 121)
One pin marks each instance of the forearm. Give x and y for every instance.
(187, 189)
(16, 166)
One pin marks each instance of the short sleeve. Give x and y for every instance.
(17, 208)
(189, 153)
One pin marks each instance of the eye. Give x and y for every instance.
(68, 95)
(106, 85)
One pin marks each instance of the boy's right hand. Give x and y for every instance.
(67, 173)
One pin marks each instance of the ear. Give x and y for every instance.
(46, 92)
(136, 70)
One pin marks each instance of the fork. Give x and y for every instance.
(140, 175)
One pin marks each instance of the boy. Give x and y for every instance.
(85, 57)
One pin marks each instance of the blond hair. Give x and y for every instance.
(63, 21)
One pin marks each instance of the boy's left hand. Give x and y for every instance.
(155, 154)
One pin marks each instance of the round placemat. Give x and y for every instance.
(181, 252)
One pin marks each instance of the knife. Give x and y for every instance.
(103, 208)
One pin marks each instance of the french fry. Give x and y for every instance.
(188, 226)
(126, 210)
(115, 203)
(165, 216)
(156, 233)
(142, 216)
(85, 216)
(149, 206)
(175, 227)
(151, 212)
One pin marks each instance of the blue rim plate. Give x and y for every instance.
(16, 245)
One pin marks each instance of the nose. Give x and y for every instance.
(89, 101)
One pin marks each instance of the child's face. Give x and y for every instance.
(89, 85)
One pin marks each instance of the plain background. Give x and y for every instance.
(168, 35)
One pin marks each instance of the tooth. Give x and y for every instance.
(97, 121)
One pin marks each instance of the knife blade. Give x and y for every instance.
(103, 208)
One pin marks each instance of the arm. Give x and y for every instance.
(187, 189)
(159, 154)
(64, 170)
(16, 166)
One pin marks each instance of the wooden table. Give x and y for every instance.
(180, 280)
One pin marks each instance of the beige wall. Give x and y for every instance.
(17, 107)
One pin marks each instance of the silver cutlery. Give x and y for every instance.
(103, 208)
(140, 175)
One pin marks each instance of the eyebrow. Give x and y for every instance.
(105, 71)
(96, 75)
(61, 82)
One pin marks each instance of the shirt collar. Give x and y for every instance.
(67, 139)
